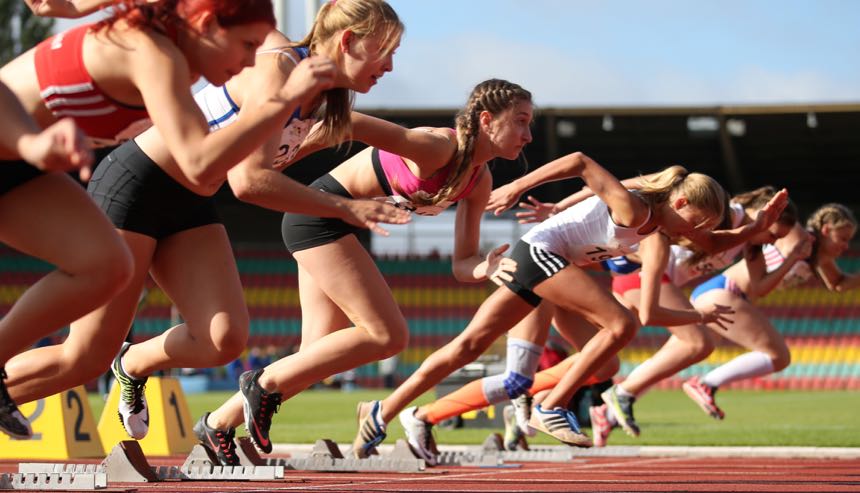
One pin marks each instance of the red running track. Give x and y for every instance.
(613, 474)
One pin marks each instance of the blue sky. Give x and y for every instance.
(576, 53)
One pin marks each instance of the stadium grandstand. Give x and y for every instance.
(811, 150)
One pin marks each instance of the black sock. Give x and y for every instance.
(598, 389)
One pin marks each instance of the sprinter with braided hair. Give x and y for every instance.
(349, 315)
(833, 226)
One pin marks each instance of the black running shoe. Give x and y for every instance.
(12, 422)
(218, 441)
(259, 407)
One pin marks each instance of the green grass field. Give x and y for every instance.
(764, 418)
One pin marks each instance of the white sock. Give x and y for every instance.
(747, 365)
(122, 365)
(643, 367)
(622, 391)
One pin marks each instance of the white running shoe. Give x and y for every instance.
(132, 410)
(419, 434)
(523, 413)
(561, 424)
(371, 429)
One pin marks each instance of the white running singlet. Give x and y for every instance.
(585, 234)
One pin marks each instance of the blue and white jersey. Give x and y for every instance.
(585, 234)
(220, 111)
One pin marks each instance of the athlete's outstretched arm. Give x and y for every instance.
(505, 196)
(654, 255)
(255, 180)
(467, 262)
(430, 148)
(721, 240)
(163, 78)
(763, 282)
(626, 209)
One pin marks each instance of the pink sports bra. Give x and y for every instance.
(391, 168)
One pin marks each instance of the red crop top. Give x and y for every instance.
(68, 91)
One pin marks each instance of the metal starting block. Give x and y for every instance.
(127, 464)
(53, 481)
(494, 444)
(327, 457)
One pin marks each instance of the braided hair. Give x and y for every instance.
(494, 96)
(833, 215)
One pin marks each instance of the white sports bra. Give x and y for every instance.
(220, 111)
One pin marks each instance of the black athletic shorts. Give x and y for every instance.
(137, 195)
(301, 232)
(16, 172)
(534, 266)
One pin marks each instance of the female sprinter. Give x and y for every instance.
(833, 226)
(60, 147)
(656, 292)
(350, 317)
(110, 78)
(739, 287)
(828, 233)
(548, 266)
(526, 339)
(167, 216)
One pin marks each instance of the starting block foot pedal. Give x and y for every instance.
(402, 450)
(198, 456)
(325, 447)
(247, 452)
(127, 464)
(493, 443)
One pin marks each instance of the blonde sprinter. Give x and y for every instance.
(549, 260)
(527, 337)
